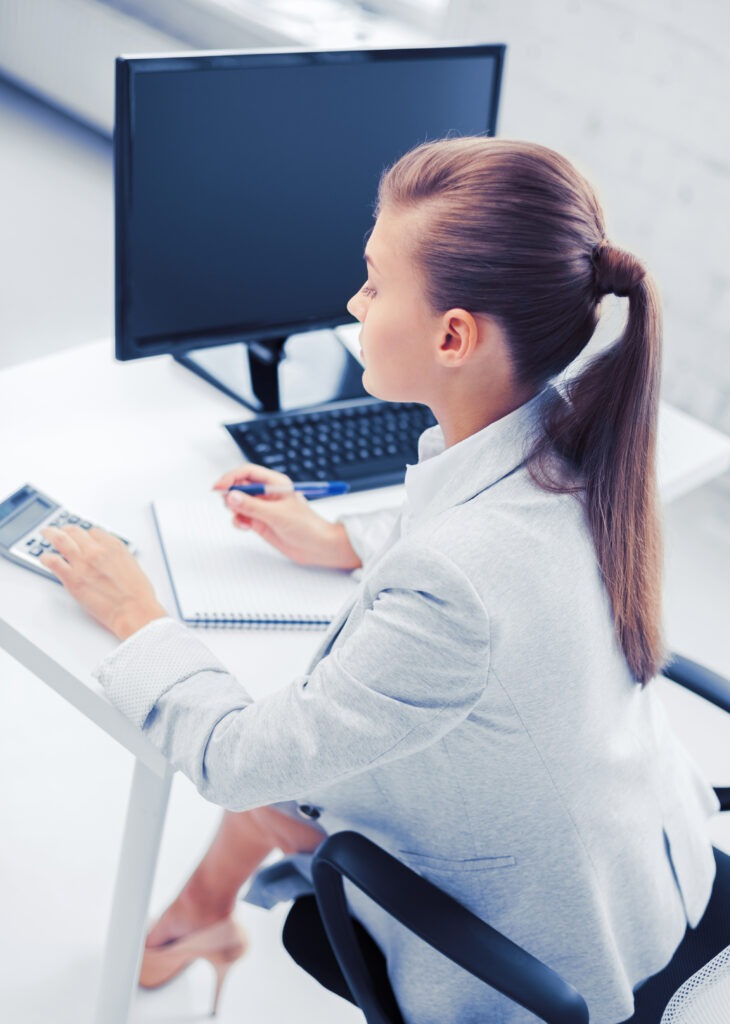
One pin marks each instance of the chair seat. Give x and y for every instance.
(699, 947)
(705, 997)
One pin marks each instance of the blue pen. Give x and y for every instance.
(310, 489)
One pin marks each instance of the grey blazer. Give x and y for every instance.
(470, 711)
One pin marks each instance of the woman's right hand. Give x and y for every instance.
(286, 521)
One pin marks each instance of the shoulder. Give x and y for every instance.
(514, 551)
(515, 520)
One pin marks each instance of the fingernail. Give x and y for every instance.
(235, 498)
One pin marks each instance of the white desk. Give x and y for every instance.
(106, 438)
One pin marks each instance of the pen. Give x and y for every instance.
(310, 488)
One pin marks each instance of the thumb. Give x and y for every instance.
(253, 508)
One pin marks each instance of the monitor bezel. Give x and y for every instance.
(127, 344)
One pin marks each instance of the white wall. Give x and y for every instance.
(637, 93)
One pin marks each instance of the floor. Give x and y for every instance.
(64, 798)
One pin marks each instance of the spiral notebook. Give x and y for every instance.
(224, 577)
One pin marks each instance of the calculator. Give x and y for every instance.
(22, 517)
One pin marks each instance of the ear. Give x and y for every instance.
(458, 339)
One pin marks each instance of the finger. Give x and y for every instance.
(58, 566)
(62, 540)
(249, 472)
(237, 500)
(81, 537)
(102, 536)
(263, 530)
(255, 508)
(225, 481)
(244, 473)
(86, 543)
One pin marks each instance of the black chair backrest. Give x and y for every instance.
(439, 920)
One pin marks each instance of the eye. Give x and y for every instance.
(367, 290)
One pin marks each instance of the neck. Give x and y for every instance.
(460, 420)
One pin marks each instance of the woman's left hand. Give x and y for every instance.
(98, 570)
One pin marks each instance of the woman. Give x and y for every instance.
(480, 708)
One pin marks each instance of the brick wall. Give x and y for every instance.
(638, 95)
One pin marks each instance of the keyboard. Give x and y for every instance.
(366, 442)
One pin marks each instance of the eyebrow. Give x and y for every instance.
(369, 259)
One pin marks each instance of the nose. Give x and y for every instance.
(356, 307)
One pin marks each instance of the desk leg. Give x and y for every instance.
(136, 872)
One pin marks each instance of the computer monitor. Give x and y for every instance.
(244, 187)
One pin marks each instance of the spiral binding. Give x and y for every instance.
(259, 620)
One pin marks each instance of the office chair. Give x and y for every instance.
(320, 934)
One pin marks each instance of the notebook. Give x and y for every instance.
(224, 577)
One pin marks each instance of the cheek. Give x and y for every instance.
(383, 359)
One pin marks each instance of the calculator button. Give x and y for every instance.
(30, 542)
(44, 543)
(84, 525)
(38, 550)
(55, 523)
(72, 519)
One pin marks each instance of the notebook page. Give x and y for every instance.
(220, 573)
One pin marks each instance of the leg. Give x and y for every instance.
(243, 840)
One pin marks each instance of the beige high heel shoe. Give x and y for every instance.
(221, 944)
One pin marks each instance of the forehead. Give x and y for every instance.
(394, 238)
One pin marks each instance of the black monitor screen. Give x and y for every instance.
(245, 183)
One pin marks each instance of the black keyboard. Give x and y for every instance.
(366, 443)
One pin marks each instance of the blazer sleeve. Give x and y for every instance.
(413, 669)
(368, 531)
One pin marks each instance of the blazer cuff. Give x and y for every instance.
(368, 531)
(147, 664)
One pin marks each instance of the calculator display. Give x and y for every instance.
(21, 522)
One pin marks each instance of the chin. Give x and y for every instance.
(384, 392)
(372, 388)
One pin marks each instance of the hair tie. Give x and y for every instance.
(616, 271)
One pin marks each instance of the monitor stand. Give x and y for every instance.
(279, 374)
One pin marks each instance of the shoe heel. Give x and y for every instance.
(222, 967)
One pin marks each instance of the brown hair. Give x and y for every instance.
(516, 233)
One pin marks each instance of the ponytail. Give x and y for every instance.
(605, 428)
(515, 232)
